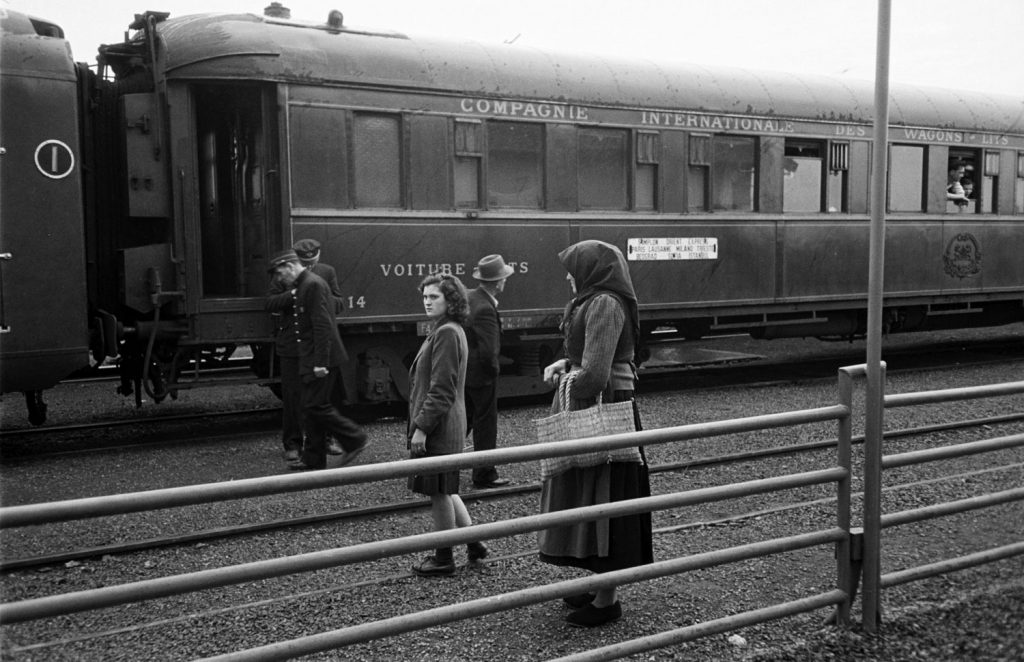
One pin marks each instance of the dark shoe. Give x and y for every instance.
(591, 616)
(477, 551)
(291, 456)
(579, 601)
(348, 457)
(333, 447)
(431, 567)
(302, 466)
(497, 482)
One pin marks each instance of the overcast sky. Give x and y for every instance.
(975, 45)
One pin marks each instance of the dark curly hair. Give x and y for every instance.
(454, 295)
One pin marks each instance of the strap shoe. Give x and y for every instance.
(431, 567)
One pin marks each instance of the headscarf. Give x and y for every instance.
(599, 267)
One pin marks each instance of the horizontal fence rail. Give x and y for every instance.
(68, 603)
(119, 504)
(503, 602)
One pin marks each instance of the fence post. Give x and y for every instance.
(846, 574)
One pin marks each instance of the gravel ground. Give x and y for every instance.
(968, 615)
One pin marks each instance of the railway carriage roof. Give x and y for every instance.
(27, 50)
(237, 46)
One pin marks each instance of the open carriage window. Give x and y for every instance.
(802, 168)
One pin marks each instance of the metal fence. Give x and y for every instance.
(875, 520)
(846, 541)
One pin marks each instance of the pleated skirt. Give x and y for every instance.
(430, 484)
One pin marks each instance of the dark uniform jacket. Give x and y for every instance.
(309, 325)
(483, 334)
(281, 304)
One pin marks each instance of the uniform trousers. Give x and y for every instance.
(291, 403)
(320, 399)
(482, 414)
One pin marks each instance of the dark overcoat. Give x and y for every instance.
(437, 402)
(483, 333)
(318, 339)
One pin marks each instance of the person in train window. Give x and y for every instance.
(954, 189)
(437, 413)
(601, 328)
(320, 355)
(308, 251)
(483, 332)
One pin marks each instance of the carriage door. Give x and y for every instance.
(234, 150)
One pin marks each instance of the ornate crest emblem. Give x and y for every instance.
(963, 256)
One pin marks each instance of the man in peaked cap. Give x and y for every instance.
(311, 355)
(280, 305)
(308, 251)
(483, 332)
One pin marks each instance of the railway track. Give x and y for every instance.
(691, 367)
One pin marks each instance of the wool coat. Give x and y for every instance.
(483, 332)
(437, 403)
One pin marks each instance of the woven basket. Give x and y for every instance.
(596, 421)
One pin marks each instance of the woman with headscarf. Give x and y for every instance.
(437, 413)
(601, 328)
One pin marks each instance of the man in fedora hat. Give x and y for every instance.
(483, 332)
(308, 325)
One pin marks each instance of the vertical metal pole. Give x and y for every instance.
(875, 370)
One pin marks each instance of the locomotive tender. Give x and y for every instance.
(140, 201)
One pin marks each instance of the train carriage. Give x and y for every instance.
(740, 198)
(43, 314)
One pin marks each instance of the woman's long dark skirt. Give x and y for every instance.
(613, 544)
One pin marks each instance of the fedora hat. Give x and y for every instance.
(492, 267)
(281, 258)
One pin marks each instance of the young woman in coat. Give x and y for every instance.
(601, 327)
(437, 412)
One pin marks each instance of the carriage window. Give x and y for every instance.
(377, 158)
(801, 176)
(468, 152)
(990, 183)
(515, 165)
(962, 193)
(1018, 194)
(733, 173)
(697, 173)
(838, 170)
(603, 168)
(906, 178)
(319, 167)
(648, 152)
